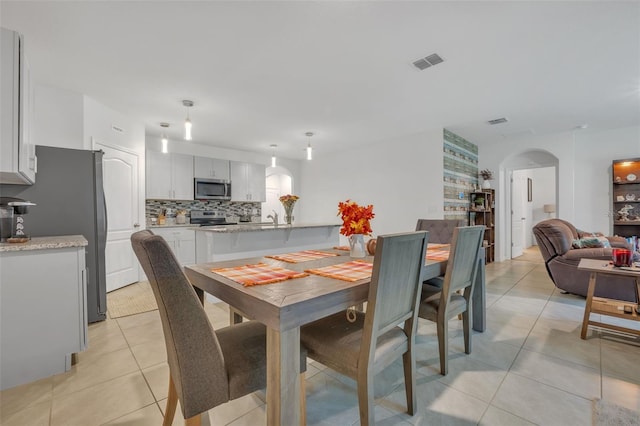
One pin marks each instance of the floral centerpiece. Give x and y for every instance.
(356, 223)
(288, 201)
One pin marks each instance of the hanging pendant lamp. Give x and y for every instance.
(165, 141)
(187, 124)
(273, 155)
(309, 149)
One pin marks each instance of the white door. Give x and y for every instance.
(518, 218)
(120, 171)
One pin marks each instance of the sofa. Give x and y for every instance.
(440, 230)
(557, 240)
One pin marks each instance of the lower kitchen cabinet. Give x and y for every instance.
(43, 314)
(182, 242)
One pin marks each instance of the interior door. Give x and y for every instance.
(518, 212)
(120, 174)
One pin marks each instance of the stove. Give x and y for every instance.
(208, 218)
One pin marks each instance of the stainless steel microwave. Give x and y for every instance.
(211, 189)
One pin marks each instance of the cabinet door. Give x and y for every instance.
(182, 171)
(212, 168)
(257, 183)
(186, 247)
(239, 181)
(26, 147)
(158, 175)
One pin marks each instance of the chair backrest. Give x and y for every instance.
(462, 263)
(395, 286)
(195, 359)
(440, 230)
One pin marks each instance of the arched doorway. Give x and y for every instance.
(531, 183)
(278, 182)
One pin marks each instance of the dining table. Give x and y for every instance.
(287, 305)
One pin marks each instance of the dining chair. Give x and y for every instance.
(364, 347)
(440, 304)
(207, 367)
(440, 230)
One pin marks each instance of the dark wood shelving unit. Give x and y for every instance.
(482, 212)
(626, 197)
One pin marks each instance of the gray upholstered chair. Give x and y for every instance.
(440, 230)
(207, 367)
(440, 304)
(365, 347)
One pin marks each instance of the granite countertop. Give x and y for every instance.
(252, 227)
(41, 243)
(173, 225)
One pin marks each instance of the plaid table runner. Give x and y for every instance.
(349, 271)
(258, 274)
(345, 248)
(301, 256)
(438, 251)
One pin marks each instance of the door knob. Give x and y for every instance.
(136, 225)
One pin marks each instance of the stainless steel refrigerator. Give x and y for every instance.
(70, 200)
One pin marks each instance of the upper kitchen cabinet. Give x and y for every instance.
(17, 152)
(210, 168)
(169, 176)
(248, 182)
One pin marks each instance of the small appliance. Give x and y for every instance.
(211, 189)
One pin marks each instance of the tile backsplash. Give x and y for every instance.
(231, 210)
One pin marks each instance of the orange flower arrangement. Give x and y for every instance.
(355, 219)
(288, 200)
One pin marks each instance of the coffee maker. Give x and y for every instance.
(12, 210)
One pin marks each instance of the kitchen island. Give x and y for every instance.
(218, 243)
(43, 310)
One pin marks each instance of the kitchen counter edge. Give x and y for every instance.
(258, 227)
(42, 243)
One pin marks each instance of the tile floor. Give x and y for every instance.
(529, 367)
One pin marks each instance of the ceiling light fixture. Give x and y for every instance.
(187, 124)
(165, 141)
(273, 154)
(309, 149)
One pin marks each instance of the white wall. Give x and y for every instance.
(401, 177)
(544, 192)
(58, 117)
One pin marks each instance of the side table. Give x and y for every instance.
(604, 306)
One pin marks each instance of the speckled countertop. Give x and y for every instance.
(40, 243)
(252, 227)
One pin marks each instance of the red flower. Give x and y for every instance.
(355, 218)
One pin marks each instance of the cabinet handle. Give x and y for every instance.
(34, 162)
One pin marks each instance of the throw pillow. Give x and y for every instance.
(587, 242)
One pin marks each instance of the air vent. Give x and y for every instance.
(428, 61)
(498, 121)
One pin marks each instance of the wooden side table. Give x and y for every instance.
(604, 306)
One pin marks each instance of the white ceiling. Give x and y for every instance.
(264, 73)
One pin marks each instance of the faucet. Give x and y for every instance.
(273, 217)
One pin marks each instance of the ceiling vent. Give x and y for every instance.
(498, 121)
(428, 61)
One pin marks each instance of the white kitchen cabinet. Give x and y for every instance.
(169, 176)
(211, 168)
(248, 182)
(43, 313)
(17, 151)
(182, 242)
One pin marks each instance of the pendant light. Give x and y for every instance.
(273, 155)
(309, 149)
(187, 124)
(165, 141)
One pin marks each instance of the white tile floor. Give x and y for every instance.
(529, 367)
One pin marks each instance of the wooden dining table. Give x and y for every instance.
(285, 306)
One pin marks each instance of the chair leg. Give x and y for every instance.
(443, 337)
(365, 398)
(193, 421)
(172, 402)
(303, 401)
(466, 328)
(409, 364)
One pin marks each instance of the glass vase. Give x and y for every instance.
(356, 245)
(288, 213)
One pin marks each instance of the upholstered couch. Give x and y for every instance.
(556, 239)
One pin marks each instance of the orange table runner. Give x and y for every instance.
(345, 248)
(302, 256)
(349, 271)
(258, 274)
(438, 251)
